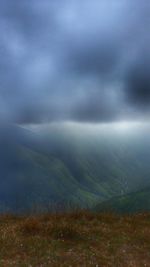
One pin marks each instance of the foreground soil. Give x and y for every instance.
(75, 239)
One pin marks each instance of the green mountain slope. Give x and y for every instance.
(64, 167)
(38, 180)
(108, 165)
(130, 203)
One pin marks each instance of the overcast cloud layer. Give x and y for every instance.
(75, 60)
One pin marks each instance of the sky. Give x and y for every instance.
(81, 61)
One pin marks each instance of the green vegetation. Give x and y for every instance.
(75, 239)
(67, 169)
(131, 203)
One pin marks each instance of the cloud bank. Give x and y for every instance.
(86, 61)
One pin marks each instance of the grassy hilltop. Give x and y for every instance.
(75, 239)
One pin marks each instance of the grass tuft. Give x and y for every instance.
(31, 226)
(64, 231)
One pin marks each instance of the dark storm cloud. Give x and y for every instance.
(74, 60)
(138, 82)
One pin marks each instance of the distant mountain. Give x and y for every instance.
(130, 203)
(32, 179)
(67, 167)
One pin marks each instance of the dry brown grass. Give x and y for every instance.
(75, 239)
(31, 226)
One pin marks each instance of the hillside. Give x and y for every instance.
(75, 239)
(130, 203)
(65, 167)
(32, 180)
